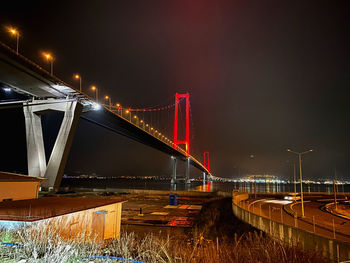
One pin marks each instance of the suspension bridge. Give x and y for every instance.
(42, 92)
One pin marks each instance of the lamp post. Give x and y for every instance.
(128, 113)
(15, 32)
(119, 108)
(93, 88)
(143, 124)
(49, 58)
(110, 102)
(301, 178)
(136, 120)
(77, 76)
(295, 183)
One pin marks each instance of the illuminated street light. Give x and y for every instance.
(49, 59)
(77, 76)
(301, 178)
(143, 124)
(109, 100)
(94, 88)
(14, 32)
(136, 120)
(129, 113)
(119, 109)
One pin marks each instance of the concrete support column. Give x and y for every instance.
(174, 161)
(35, 143)
(54, 170)
(187, 180)
(204, 179)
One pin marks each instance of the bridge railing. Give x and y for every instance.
(151, 131)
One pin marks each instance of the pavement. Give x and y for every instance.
(316, 220)
(156, 211)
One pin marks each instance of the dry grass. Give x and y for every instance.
(217, 237)
(43, 246)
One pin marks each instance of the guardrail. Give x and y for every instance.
(330, 248)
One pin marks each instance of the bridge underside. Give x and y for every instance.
(110, 121)
(27, 78)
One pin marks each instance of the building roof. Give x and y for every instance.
(11, 177)
(46, 207)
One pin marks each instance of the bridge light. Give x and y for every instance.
(127, 111)
(146, 124)
(7, 89)
(14, 32)
(94, 88)
(77, 76)
(48, 56)
(118, 105)
(135, 117)
(141, 121)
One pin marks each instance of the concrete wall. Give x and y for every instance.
(19, 190)
(330, 248)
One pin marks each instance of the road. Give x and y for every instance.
(316, 220)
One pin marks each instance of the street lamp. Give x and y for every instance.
(136, 120)
(301, 177)
(77, 76)
(14, 32)
(128, 112)
(93, 88)
(119, 108)
(49, 59)
(110, 102)
(143, 124)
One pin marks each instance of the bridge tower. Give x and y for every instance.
(206, 164)
(53, 170)
(185, 142)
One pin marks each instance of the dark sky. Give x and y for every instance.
(262, 75)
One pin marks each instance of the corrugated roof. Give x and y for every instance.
(11, 177)
(46, 207)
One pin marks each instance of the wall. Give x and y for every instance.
(101, 223)
(18, 190)
(98, 223)
(333, 249)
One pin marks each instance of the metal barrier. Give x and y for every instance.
(330, 248)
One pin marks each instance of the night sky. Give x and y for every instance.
(263, 76)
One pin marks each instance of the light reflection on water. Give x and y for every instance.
(271, 187)
(110, 184)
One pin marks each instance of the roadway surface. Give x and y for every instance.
(317, 219)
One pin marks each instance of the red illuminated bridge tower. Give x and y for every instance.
(206, 163)
(185, 142)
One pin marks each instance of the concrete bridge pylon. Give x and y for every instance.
(54, 169)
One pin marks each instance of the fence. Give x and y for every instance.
(331, 248)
